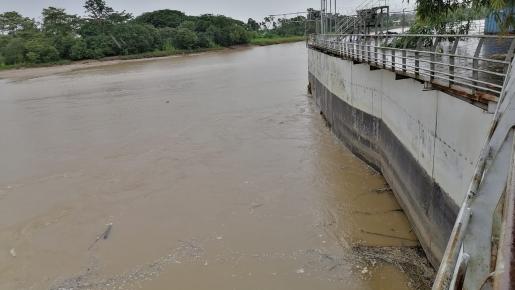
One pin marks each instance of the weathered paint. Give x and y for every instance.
(425, 142)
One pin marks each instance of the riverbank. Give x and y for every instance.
(278, 40)
(147, 55)
(28, 72)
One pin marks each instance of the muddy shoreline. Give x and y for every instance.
(35, 72)
(23, 73)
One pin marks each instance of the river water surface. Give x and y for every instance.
(215, 170)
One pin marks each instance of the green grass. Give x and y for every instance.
(262, 41)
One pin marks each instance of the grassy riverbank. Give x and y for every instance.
(156, 54)
(263, 41)
(152, 54)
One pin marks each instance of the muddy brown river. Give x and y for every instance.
(216, 171)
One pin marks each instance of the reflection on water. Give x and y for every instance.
(215, 170)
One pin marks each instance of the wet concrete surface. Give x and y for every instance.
(216, 172)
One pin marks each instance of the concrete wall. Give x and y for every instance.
(425, 142)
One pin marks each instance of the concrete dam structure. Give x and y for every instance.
(424, 127)
(408, 134)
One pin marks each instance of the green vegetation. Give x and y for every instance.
(276, 40)
(455, 16)
(106, 33)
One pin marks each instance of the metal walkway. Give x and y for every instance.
(472, 66)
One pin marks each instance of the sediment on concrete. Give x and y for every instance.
(410, 160)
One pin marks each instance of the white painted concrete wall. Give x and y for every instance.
(445, 134)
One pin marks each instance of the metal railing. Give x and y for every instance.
(347, 25)
(470, 65)
(482, 200)
(371, 3)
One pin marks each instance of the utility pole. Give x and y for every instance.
(327, 20)
(323, 6)
(403, 19)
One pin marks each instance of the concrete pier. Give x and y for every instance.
(425, 142)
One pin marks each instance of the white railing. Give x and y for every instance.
(472, 65)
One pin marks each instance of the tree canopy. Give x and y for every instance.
(435, 12)
(105, 32)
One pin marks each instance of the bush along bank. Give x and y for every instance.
(106, 33)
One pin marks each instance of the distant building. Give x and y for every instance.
(492, 21)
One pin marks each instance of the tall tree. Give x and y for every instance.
(98, 9)
(162, 18)
(252, 25)
(56, 21)
(12, 22)
(435, 11)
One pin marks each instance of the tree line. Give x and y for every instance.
(437, 14)
(105, 32)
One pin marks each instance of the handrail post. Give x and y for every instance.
(475, 64)
(392, 54)
(363, 39)
(342, 43)
(433, 58)
(509, 55)
(404, 55)
(417, 57)
(356, 47)
(346, 46)
(384, 57)
(375, 51)
(452, 60)
(368, 43)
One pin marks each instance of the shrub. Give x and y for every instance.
(135, 38)
(2, 60)
(205, 40)
(64, 44)
(185, 39)
(40, 51)
(79, 50)
(14, 51)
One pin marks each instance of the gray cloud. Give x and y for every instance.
(242, 9)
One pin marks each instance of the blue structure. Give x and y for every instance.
(491, 25)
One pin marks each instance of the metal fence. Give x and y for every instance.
(471, 65)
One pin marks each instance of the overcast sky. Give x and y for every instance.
(239, 9)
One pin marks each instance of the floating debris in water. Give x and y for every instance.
(409, 260)
(187, 251)
(383, 190)
(388, 236)
(13, 252)
(255, 206)
(104, 235)
(355, 260)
